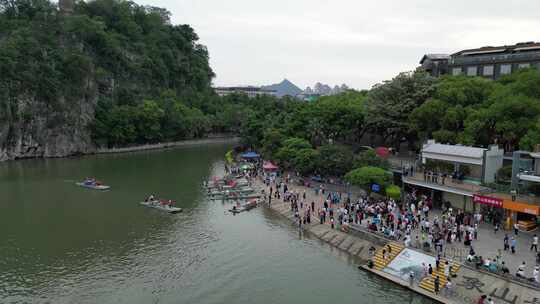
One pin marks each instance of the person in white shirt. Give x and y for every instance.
(535, 274)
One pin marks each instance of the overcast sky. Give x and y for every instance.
(357, 42)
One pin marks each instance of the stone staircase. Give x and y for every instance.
(428, 283)
(378, 260)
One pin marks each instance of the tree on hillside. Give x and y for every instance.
(334, 160)
(297, 154)
(443, 117)
(390, 104)
(532, 138)
(369, 158)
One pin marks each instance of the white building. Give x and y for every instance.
(251, 92)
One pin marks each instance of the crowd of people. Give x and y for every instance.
(410, 222)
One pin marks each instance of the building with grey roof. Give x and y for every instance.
(435, 64)
(495, 61)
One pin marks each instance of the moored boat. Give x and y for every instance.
(244, 207)
(162, 206)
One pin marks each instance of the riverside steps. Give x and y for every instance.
(468, 284)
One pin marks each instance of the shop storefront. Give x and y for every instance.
(524, 214)
(491, 208)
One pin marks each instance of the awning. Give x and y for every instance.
(521, 207)
(250, 154)
(270, 166)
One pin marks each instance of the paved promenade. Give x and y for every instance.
(468, 286)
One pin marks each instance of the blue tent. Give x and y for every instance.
(250, 154)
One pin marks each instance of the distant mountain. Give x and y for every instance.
(284, 88)
(326, 90)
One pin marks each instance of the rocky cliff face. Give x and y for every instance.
(34, 129)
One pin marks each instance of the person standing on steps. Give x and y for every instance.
(437, 284)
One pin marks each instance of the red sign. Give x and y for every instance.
(486, 200)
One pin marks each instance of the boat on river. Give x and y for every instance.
(162, 205)
(239, 191)
(235, 196)
(226, 183)
(93, 184)
(244, 207)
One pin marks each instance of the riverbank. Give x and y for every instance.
(174, 144)
(211, 140)
(468, 286)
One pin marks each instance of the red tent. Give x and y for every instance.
(382, 152)
(268, 166)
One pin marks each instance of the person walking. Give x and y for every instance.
(535, 243)
(506, 244)
(516, 228)
(513, 245)
(448, 287)
(437, 284)
(447, 270)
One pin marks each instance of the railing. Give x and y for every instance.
(448, 182)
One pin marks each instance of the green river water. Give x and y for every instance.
(63, 244)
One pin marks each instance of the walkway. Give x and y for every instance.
(489, 243)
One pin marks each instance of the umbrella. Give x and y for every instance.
(269, 166)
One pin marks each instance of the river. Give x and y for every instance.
(63, 244)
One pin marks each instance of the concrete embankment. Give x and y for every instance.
(183, 143)
(355, 243)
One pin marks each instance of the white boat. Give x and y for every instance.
(244, 207)
(163, 207)
(93, 186)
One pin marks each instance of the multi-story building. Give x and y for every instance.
(495, 61)
(435, 64)
(251, 92)
(466, 178)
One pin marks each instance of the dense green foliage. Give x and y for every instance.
(393, 191)
(411, 108)
(140, 79)
(366, 176)
(144, 79)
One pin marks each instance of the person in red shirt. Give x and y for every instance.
(482, 299)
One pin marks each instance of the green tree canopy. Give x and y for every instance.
(366, 176)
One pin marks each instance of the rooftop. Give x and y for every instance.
(434, 57)
(454, 150)
(518, 47)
